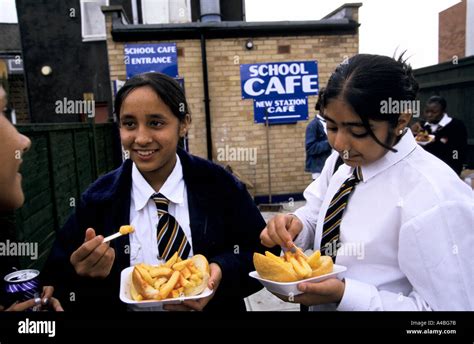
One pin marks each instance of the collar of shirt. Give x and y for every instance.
(443, 122)
(323, 122)
(172, 189)
(404, 147)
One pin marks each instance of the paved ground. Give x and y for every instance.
(264, 300)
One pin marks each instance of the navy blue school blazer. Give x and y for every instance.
(225, 226)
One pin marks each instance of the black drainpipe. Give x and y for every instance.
(207, 101)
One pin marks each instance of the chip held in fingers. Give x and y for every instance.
(291, 267)
(175, 278)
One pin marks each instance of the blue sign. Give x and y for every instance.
(280, 89)
(142, 58)
(270, 80)
(287, 109)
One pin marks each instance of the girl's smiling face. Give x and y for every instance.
(348, 136)
(150, 132)
(13, 146)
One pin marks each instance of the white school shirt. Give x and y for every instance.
(407, 233)
(323, 122)
(144, 215)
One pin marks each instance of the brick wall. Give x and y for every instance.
(232, 121)
(452, 32)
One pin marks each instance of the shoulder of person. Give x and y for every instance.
(108, 186)
(455, 122)
(431, 179)
(202, 171)
(319, 124)
(313, 123)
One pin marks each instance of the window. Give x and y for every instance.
(93, 20)
(166, 11)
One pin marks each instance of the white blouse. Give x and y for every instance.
(144, 216)
(407, 233)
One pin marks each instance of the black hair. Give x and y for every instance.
(438, 100)
(318, 106)
(365, 81)
(164, 86)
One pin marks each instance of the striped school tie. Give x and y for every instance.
(171, 237)
(333, 218)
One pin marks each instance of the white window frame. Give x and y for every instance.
(93, 37)
(165, 7)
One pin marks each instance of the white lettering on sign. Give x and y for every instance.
(275, 85)
(150, 50)
(150, 60)
(249, 86)
(280, 106)
(275, 69)
(308, 83)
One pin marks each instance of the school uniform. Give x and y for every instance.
(217, 214)
(144, 216)
(450, 142)
(406, 234)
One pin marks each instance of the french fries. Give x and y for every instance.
(291, 267)
(174, 279)
(423, 136)
(126, 230)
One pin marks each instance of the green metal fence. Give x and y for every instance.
(63, 160)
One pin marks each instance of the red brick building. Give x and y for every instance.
(456, 31)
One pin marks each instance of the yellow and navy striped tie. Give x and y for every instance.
(171, 237)
(333, 218)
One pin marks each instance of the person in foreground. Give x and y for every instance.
(14, 145)
(396, 216)
(212, 213)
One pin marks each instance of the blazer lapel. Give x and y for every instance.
(198, 219)
(120, 215)
(198, 202)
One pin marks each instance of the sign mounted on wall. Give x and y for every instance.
(142, 58)
(280, 89)
(282, 110)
